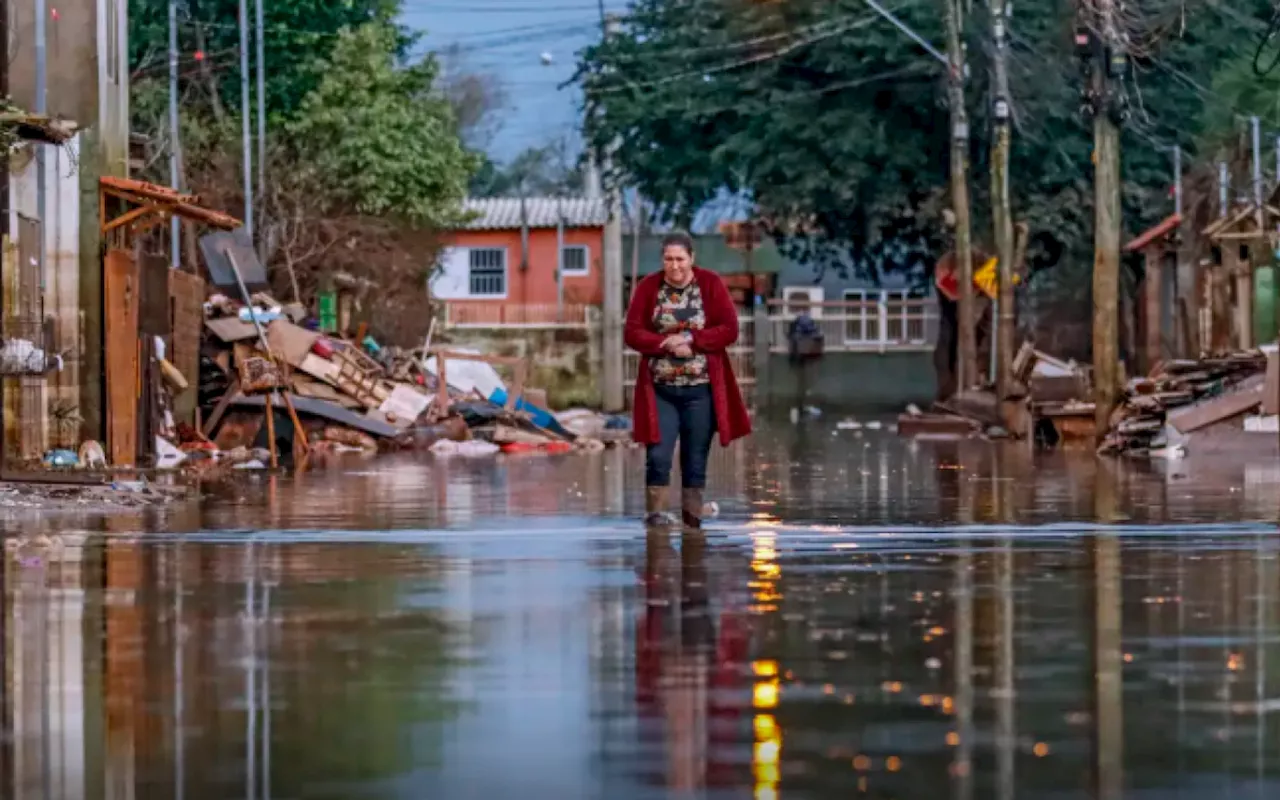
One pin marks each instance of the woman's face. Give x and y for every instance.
(677, 265)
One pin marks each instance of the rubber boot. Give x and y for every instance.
(655, 506)
(691, 508)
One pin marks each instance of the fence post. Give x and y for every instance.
(882, 312)
(762, 331)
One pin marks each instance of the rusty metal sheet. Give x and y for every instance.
(120, 301)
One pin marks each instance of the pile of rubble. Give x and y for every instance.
(1180, 398)
(1045, 390)
(331, 394)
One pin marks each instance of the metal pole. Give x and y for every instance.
(244, 117)
(559, 258)
(1177, 180)
(174, 225)
(1278, 160)
(262, 123)
(1256, 130)
(1224, 182)
(42, 107)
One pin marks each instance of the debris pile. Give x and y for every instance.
(331, 394)
(1179, 398)
(1046, 392)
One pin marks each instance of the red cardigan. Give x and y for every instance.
(721, 331)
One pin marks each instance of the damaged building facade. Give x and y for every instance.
(52, 278)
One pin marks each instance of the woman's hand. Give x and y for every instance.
(674, 341)
(683, 351)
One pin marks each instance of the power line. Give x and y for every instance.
(756, 59)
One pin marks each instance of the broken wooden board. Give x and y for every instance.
(123, 357)
(319, 390)
(1246, 397)
(290, 342)
(230, 329)
(325, 410)
(933, 425)
(975, 404)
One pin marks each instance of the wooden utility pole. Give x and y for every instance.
(967, 366)
(1107, 107)
(1001, 213)
(612, 394)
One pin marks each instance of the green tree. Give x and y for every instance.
(546, 170)
(835, 124)
(300, 36)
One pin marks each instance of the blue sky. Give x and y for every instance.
(507, 39)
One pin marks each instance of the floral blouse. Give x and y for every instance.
(679, 311)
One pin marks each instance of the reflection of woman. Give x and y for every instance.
(688, 672)
(682, 321)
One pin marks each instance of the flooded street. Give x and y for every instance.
(869, 616)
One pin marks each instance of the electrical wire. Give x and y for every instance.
(1273, 27)
(702, 73)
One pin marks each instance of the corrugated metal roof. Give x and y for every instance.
(503, 213)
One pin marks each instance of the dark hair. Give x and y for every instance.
(678, 239)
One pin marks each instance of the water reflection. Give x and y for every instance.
(498, 631)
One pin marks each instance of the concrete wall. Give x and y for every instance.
(850, 383)
(565, 362)
(87, 81)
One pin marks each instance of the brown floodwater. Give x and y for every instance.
(868, 617)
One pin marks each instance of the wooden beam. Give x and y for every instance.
(132, 216)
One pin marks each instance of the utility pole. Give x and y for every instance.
(244, 117)
(1002, 214)
(1244, 268)
(612, 394)
(262, 126)
(1183, 346)
(1107, 106)
(559, 257)
(967, 368)
(42, 107)
(175, 224)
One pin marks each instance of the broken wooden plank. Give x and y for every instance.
(230, 329)
(1207, 412)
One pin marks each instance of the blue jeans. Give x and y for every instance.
(686, 414)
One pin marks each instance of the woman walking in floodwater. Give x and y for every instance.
(681, 322)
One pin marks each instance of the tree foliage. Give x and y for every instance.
(546, 170)
(377, 136)
(364, 162)
(299, 37)
(835, 123)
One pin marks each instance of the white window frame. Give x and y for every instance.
(586, 260)
(813, 295)
(471, 275)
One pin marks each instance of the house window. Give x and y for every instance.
(488, 270)
(576, 259)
